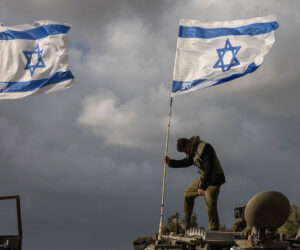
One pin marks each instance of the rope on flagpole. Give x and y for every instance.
(164, 177)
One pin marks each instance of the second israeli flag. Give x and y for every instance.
(34, 59)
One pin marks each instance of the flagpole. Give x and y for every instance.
(166, 153)
(164, 177)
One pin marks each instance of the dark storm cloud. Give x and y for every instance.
(87, 161)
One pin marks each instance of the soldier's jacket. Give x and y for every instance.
(204, 157)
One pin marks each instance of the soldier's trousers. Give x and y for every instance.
(210, 196)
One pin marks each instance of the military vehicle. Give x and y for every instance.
(13, 242)
(255, 228)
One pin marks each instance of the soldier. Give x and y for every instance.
(203, 156)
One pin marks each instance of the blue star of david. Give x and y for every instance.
(40, 63)
(221, 53)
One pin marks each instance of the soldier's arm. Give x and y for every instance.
(183, 163)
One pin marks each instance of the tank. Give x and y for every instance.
(263, 214)
(267, 210)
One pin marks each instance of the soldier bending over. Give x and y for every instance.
(203, 156)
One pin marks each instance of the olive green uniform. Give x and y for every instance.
(203, 156)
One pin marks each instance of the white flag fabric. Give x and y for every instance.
(34, 59)
(212, 53)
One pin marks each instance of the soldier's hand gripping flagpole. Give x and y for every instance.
(164, 176)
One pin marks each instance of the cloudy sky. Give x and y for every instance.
(87, 161)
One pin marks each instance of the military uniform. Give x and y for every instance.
(203, 156)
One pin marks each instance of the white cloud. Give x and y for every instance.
(107, 118)
(136, 123)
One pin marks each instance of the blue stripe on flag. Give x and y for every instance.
(250, 30)
(250, 69)
(36, 33)
(181, 86)
(36, 84)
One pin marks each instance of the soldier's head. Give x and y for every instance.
(184, 145)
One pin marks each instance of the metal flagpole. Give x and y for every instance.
(166, 153)
(164, 177)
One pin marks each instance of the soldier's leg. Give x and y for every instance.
(211, 198)
(190, 193)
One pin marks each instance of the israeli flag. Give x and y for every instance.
(34, 59)
(212, 53)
